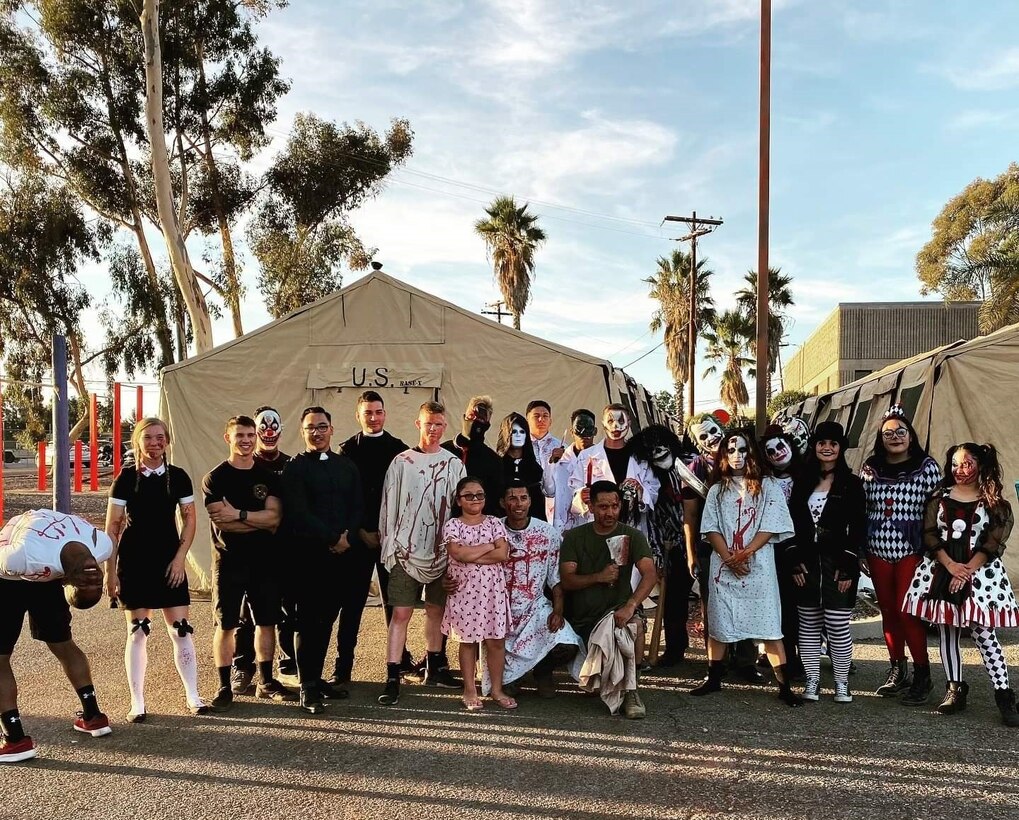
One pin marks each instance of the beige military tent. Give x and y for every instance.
(376, 334)
(965, 391)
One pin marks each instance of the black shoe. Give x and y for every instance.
(311, 701)
(920, 690)
(441, 677)
(224, 700)
(788, 697)
(415, 671)
(955, 698)
(898, 680)
(391, 694)
(669, 659)
(712, 683)
(275, 691)
(1005, 700)
(749, 674)
(241, 681)
(333, 692)
(338, 679)
(852, 668)
(407, 665)
(136, 717)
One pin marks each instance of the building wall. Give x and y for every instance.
(859, 338)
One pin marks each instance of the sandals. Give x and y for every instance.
(474, 704)
(506, 702)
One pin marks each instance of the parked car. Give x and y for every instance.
(86, 455)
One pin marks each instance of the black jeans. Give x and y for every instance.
(678, 585)
(354, 596)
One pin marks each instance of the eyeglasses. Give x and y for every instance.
(472, 496)
(898, 432)
(316, 428)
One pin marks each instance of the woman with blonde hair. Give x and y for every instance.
(147, 568)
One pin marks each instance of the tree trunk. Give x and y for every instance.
(678, 395)
(163, 335)
(516, 321)
(198, 310)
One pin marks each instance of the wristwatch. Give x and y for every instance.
(242, 515)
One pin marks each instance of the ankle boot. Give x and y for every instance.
(1005, 698)
(785, 693)
(712, 683)
(920, 690)
(955, 698)
(897, 680)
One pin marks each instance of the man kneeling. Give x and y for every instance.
(596, 564)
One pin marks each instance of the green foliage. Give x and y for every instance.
(512, 236)
(666, 402)
(300, 234)
(780, 299)
(729, 346)
(786, 398)
(973, 252)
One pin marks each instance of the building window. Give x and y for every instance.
(859, 374)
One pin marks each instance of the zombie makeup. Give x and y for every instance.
(616, 424)
(706, 436)
(269, 427)
(736, 454)
(964, 467)
(778, 452)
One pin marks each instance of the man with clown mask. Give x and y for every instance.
(583, 428)
(611, 459)
(268, 456)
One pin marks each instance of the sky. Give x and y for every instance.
(607, 116)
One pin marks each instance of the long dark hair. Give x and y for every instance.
(916, 450)
(795, 462)
(651, 437)
(810, 472)
(989, 481)
(504, 443)
(755, 469)
(463, 482)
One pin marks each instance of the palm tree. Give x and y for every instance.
(780, 299)
(670, 285)
(512, 236)
(729, 346)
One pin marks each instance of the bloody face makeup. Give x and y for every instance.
(964, 467)
(616, 423)
(269, 427)
(706, 436)
(736, 453)
(778, 452)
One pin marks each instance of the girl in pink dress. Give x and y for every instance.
(478, 610)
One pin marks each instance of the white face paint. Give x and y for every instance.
(796, 429)
(778, 452)
(269, 426)
(661, 457)
(706, 436)
(737, 453)
(518, 436)
(616, 423)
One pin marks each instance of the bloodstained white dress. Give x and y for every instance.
(747, 607)
(533, 566)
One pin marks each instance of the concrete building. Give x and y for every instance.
(858, 338)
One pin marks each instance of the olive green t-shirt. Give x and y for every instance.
(590, 552)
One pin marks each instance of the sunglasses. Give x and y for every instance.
(472, 496)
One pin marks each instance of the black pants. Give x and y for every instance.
(790, 619)
(354, 596)
(678, 584)
(244, 637)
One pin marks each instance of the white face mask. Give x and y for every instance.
(662, 458)
(269, 426)
(518, 437)
(778, 453)
(737, 453)
(797, 430)
(706, 435)
(616, 424)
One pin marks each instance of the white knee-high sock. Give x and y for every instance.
(136, 659)
(185, 660)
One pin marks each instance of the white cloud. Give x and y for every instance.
(996, 72)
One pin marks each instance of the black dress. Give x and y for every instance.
(150, 541)
(530, 472)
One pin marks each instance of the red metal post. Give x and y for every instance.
(93, 437)
(116, 429)
(139, 404)
(78, 455)
(42, 466)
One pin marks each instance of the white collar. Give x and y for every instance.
(146, 472)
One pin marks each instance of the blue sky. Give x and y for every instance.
(881, 112)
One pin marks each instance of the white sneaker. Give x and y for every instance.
(812, 688)
(842, 693)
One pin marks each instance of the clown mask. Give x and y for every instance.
(964, 467)
(706, 436)
(796, 429)
(736, 453)
(518, 436)
(778, 453)
(616, 423)
(662, 458)
(269, 426)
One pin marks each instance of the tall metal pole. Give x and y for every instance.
(692, 327)
(764, 180)
(61, 428)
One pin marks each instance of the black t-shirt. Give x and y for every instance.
(245, 490)
(619, 461)
(372, 455)
(276, 465)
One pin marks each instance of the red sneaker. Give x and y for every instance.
(97, 726)
(18, 750)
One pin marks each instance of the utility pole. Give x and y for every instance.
(498, 310)
(763, 217)
(698, 227)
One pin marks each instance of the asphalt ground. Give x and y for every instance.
(739, 753)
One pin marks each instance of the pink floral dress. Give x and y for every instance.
(479, 608)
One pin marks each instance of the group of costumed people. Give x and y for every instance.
(536, 555)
